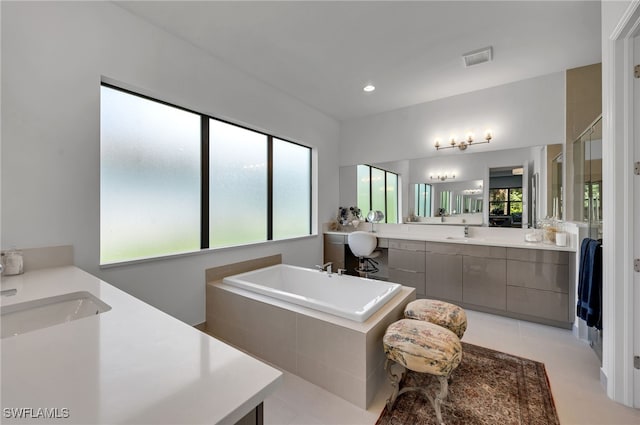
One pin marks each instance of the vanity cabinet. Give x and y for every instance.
(530, 284)
(334, 250)
(443, 271)
(538, 284)
(407, 263)
(484, 276)
(469, 274)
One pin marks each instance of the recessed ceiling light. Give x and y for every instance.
(369, 88)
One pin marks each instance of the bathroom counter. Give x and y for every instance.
(131, 364)
(509, 238)
(493, 270)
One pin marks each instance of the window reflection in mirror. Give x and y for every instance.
(505, 197)
(422, 200)
(447, 198)
(377, 190)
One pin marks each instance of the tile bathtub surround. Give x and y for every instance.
(339, 355)
(220, 272)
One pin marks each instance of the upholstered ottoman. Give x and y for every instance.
(422, 347)
(441, 313)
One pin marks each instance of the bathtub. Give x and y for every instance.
(346, 296)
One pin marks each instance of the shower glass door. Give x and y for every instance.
(587, 181)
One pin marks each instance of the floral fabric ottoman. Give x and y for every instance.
(422, 347)
(441, 313)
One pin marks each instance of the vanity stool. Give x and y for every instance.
(363, 245)
(441, 313)
(422, 347)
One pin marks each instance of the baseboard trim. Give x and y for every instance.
(603, 380)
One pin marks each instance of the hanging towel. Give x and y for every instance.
(589, 306)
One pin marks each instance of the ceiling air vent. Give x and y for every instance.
(478, 56)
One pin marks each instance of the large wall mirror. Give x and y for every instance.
(455, 188)
(445, 198)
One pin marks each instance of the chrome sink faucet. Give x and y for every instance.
(325, 267)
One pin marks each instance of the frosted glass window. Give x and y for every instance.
(391, 214)
(149, 178)
(364, 188)
(291, 190)
(153, 185)
(378, 190)
(237, 185)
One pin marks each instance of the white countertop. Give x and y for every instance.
(132, 364)
(509, 238)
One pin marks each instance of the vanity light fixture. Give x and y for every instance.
(464, 144)
(443, 177)
(472, 191)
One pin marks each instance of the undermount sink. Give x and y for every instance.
(44, 312)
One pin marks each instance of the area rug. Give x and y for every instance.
(488, 387)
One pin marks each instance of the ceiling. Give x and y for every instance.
(323, 53)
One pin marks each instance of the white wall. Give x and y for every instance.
(525, 113)
(53, 57)
(468, 167)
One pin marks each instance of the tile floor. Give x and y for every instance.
(572, 366)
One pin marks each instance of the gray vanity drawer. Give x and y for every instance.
(444, 248)
(342, 239)
(549, 277)
(534, 302)
(406, 260)
(408, 278)
(406, 245)
(383, 243)
(465, 249)
(484, 251)
(538, 255)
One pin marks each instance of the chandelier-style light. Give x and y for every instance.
(464, 144)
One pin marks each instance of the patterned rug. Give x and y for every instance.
(488, 388)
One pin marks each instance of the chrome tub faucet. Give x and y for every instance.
(325, 267)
